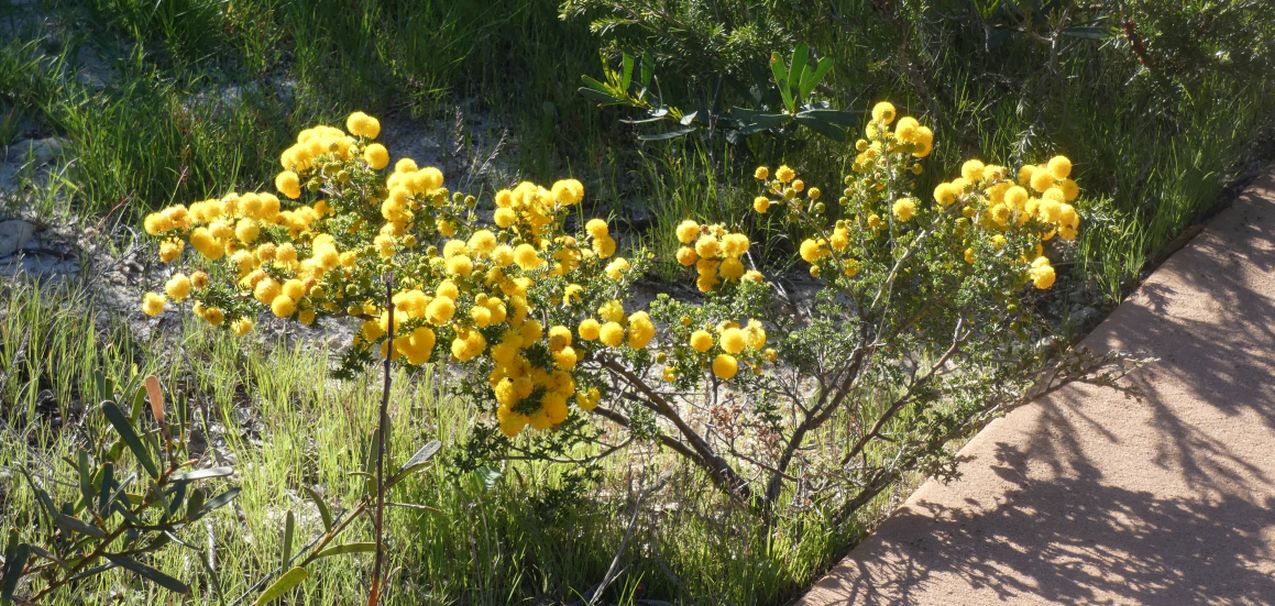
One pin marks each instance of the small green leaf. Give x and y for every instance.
(73, 524)
(104, 491)
(417, 461)
(644, 71)
(216, 502)
(203, 474)
(149, 573)
(86, 478)
(289, 529)
(626, 78)
(811, 79)
(324, 512)
(290, 579)
(360, 547)
(797, 69)
(125, 429)
(781, 80)
(14, 562)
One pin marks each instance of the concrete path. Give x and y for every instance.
(1091, 498)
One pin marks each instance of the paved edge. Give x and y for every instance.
(1090, 497)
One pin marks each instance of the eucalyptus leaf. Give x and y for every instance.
(360, 547)
(290, 579)
(324, 512)
(148, 573)
(203, 474)
(125, 429)
(14, 562)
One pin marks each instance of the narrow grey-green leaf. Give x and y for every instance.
(125, 429)
(290, 579)
(324, 512)
(74, 524)
(417, 461)
(148, 573)
(203, 474)
(359, 547)
(289, 529)
(86, 478)
(216, 502)
(14, 563)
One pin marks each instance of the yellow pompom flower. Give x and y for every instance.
(611, 334)
(589, 329)
(617, 268)
(641, 330)
(761, 204)
(1042, 273)
(945, 194)
(883, 112)
(362, 125)
(1060, 167)
(283, 306)
(241, 327)
(687, 231)
(972, 170)
(701, 341)
(440, 310)
(288, 184)
(178, 287)
(761, 173)
(733, 340)
(526, 256)
(597, 228)
(687, 256)
(725, 366)
(153, 304)
(785, 174)
(376, 156)
(568, 191)
(1041, 180)
(904, 209)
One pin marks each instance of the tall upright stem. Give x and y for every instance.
(382, 425)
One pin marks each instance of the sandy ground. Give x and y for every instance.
(1092, 498)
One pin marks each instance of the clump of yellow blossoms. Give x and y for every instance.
(513, 293)
(990, 213)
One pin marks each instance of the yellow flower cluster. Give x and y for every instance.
(1033, 209)
(731, 340)
(716, 253)
(461, 282)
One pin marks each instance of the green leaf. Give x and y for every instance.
(832, 116)
(125, 429)
(290, 579)
(289, 529)
(626, 77)
(600, 97)
(149, 573)
(195, 502)
(86, 478)
(104, 492)
(73, 524)
(824, 128)
(216, 502)
(797, 69)
(417, 461)
(811, 79)
(15, 561)
(781, 80)
(324, 512)
(360, 547)
(644, 71)
(203, 474)
(673, 134)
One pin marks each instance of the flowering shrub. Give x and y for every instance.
(916, 335)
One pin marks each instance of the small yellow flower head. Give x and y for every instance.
(687, 231)
(376, 156)
(288, 184)
(170, 249)
(687, 256)
(1042, 180)
(611, 334)
(362, 125)
(241, 327)
(972, 170)
(969, 256)
(283, 306)
(178, 287)
(641, 330)
(733, 340)
(725, 366)
(761, 204)
(945, 194)
(153, 304)
(785, 174)
(597, 229)
(589, 329)
(440, 310)
(904, 209)
(883, 112)
(1060, 167)
(568, 191)
(526, 256)
(814, 194)
(617, 268)
(701, 341)
(1042, 273)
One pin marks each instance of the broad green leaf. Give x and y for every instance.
(781, 80)
(797, 69)
(86, 478)
(811, 79)
(644, 71)
(149, 573)
(822, 127)
(290, 579)
(833, 116)
(104, 491)
(361, 547)
(626, 78)
(125, 429)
